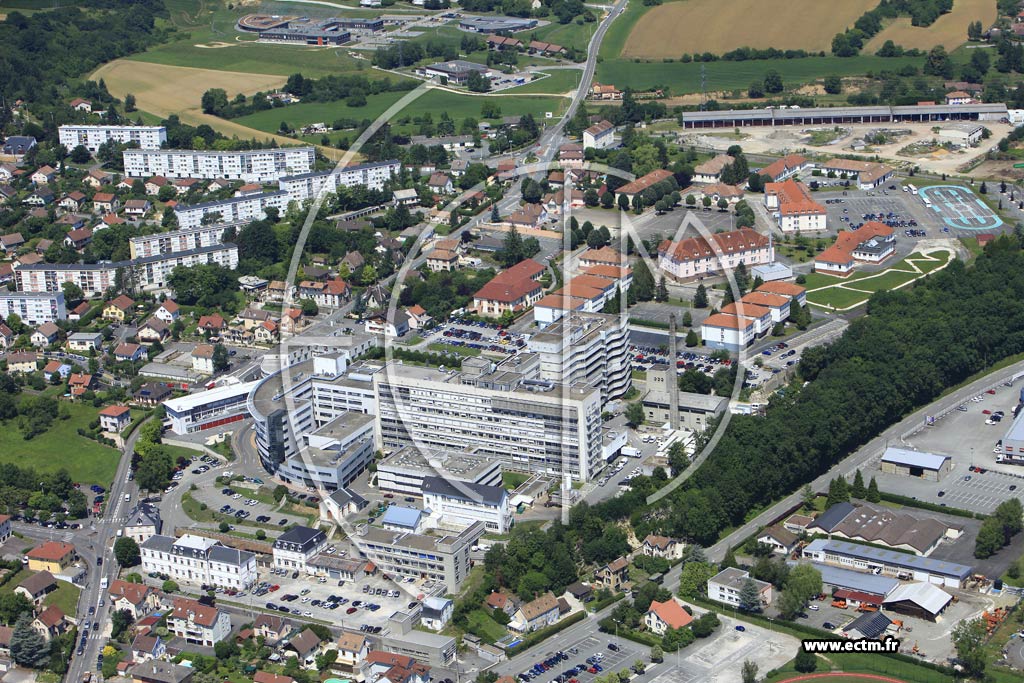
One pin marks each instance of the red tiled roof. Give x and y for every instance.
(780, 167)
(51, 551)
(644, 182)
(783, 288)
(671, 613)
(747, 310)
(115, 411)
(744, 239)
(794, 198)
(203, 615)
(731, 322)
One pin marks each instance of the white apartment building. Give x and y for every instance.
(794, 210)
(34, 308)
(729, 332)
(403, 471)
(441, 557)
(294, 548)
(725, 586)
(91, 137)
(496, 411)
(695, 256)
(197, 623)
(160, 243)
(305, 186)
(590, 348)
(207, 409)
(234, 210)
(463, 503)
(252, 165)
(96, 278)
(198, 560)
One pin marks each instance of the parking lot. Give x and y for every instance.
(477, 335)
(595, 648)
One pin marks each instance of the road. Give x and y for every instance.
(99, 543)
(855, 461)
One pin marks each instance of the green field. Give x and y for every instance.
(65, 598)
(617, 34)
(567, 35)
(92, 462)
(557, 81)
(683, 78)
(433, 102)
(484, 625)
(828, 291)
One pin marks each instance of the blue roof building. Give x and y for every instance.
(400, 518)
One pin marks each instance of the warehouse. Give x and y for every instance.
(915, 464)
(770, 116)
(839, 579)
(457, 71)
(496, 24)
(921, 600)
(890, 563)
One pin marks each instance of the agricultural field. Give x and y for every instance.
(949, 30)
(712, 26)
(683, 78)
(558, 81)
(434, 102)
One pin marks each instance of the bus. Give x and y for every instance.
(913, 190)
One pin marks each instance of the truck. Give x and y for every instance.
(104, 582)
(1010, 458)
(630, 452)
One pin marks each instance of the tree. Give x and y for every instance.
(700, 298)
(807, 497)
(661, 293)
(309, 307)
(938, 63)
(749, 671)
(120, 620)
(169, 586)
(984, 188)
(838, 492)
(873, 496)
(742, 277)
(80, 155)
(833, 85)
(805, 662)
(969, 640)
(635, 414)
(623, 202)
(722, 204)
(729, 560)
(129, 103)
(224, 527)
(643, 281)
(755, 90)
(512, 249)
(28, 648)
(657, 654)
(692, 339)
(772, 82)
(225, 649)
(221, 358)
(858, 490)
(72, 292)
(693, 580)
(325, 661)
(805, 581)
(750, 596)
(126, 551)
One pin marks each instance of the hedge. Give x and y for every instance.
(599, 605)
(531, 639)
(914, 503)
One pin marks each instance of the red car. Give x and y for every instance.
(351, 610)
(274, 588)
(389, 495)
(986, 412)
(991, 391)
(592, 670)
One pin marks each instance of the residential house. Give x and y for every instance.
(36, 587)
(45, 334)
(871, 243)
(502, 601)
(10, 243)
(601, 135)
(600, 91)
(726, 585)
(137, 208)
(139, 599)
(43, 175)
(41, 196)
(352, 651)
(440, 183)
(97, 178)
(155, 184)
(109, 220)
(613, 575)
(6, 336)
(711, 170)
(129, 352)
(155, 671)
(442, 260)
(151, 394)
(83, 342)
(419, 319)
(662, 546)
(143, 523)
(266, 332)
(538, 613)
(389, 323)
(78, 104)
(780, 540)
(55, 367)
(571, 155)
(153, 330)
(786, 167)
(202, 359)
(662, 616)
(304, 647)
(79, 383)
(105, 202)
(435, 612)
(18, 146)
(198, 624)
(22, 361)
(251, 318)
(72, 201)
(78, 238)
(52, 556)
(212, 324)
(114, 419)
(50, 623)
(168, 311)
(330, 294)
(147, 648)
(267, 677)
(272, 627)
(638, 186)
(119, 309)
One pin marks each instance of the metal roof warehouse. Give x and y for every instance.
(884, 562)
(828, 115)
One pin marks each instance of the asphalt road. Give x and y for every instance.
(97, 541)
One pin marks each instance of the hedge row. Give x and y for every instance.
(532, 639)
(924, 505)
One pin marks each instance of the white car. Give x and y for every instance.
(813, 608)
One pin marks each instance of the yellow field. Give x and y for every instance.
(714, 26)
(949, 30)
(164, 90)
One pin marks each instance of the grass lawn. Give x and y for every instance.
(433, 102)
(971, 243)
(557, 81)
(457, 350)
(861, 663)
(567, 35)
(898, 274)
(484, 625)
(683, 78)
(513, 480)
(93, 463)
(65, 598)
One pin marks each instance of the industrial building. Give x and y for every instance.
(252, 165)
(921, 600)
(884, 526)
(696, 411)
(455, 71)
(91, 137)
(772, 116)
(527, 422)
(891, 563)
(496, 24)
(907, 463)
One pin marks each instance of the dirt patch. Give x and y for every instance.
(949, 30)
(214, 45)
(713, 26)
(811, 90)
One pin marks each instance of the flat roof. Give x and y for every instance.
(902, 456)
(399, 515)
(190, 401)
(889, 557)
(338, 171)
(855, 581)
(452, 464)
(880, 111)
(1016, 430)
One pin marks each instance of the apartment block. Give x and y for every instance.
(301, 187)
(234, 210)
(198, 560)
(34, 308)
(162, 243)
(91, 137)
(252, 165)
(443, 558)
(697, 256)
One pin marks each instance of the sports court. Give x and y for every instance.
(959, 208)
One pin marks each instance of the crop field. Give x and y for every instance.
(713, 26)
(163, 90)
(433, 102)
(683, 78)
(949, 30)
